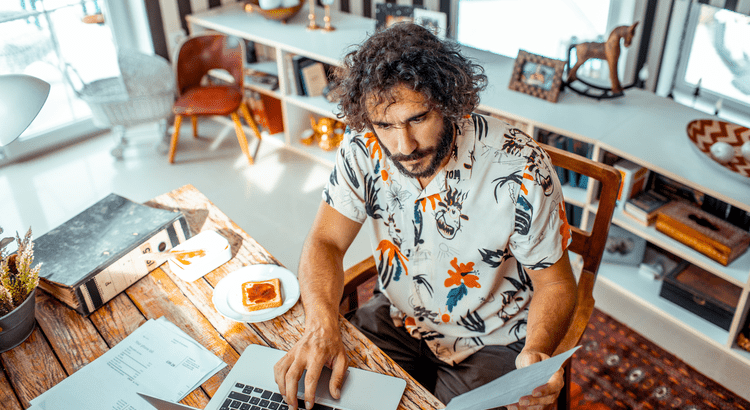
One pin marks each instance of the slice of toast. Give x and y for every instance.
(264, 294)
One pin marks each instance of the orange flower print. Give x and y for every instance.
(564, 228)
(375, 148)
(396, 262)
(462, 278)
(461, 273)
(528, 176)
(434, 199)
(384, 175)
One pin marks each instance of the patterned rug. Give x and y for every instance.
(619, 369)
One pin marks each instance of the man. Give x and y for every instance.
(467, 220)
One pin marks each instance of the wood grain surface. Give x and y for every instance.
(65, 341)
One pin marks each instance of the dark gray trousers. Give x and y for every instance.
(413, 355)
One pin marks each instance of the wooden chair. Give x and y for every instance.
(196, 56)
(589, 244)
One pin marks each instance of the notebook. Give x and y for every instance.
(250, 385)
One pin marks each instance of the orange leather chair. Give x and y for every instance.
(195, 97)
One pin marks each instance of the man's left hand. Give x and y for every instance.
(544, 395)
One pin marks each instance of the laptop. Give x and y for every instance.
(250, 385)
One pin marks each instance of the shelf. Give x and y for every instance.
(318, 105)
(736, 272)
(646, 291)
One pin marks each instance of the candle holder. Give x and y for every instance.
(312, 25)
(327, 19)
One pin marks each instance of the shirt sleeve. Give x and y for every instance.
(541, 231)
(344, 191)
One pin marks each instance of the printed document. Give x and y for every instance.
(508, 389)
(158, 358)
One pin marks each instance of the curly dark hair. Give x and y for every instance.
(410, 55)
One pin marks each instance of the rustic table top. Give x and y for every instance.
(64, 341)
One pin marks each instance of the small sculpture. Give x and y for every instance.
(609, 51)
(328, 132)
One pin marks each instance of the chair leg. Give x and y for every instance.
(194, 120)
(251, 122)
(175, 137)
(241, 137)
(118, 150)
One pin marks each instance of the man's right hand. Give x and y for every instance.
(321, 345)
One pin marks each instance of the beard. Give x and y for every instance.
(438, 152)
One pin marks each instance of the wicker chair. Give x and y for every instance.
(143, 93)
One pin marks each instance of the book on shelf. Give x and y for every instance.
(266, 111)
(574, 213)
(585, 150)
(644, 206)
(314, 79)
(261, 79)
(291, 79)
(675, 190)
(727, 212)
(558, 141)
(634, 179)
(623, 247)
(300, 64)
(98, 253)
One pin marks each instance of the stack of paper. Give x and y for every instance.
(158, 358)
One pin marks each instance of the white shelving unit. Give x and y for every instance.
(642, 127)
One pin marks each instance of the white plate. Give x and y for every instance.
(227, 297)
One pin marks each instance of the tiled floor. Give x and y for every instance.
(274, 200)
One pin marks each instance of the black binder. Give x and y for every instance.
(97, 254)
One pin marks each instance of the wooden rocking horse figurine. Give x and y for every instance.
(609, 51)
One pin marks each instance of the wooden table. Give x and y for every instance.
(64, 341)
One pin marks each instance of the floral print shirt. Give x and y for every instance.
(450, 257)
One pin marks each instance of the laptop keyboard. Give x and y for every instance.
(246, 397)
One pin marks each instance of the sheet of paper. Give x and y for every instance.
(508, 389)
(157, 358)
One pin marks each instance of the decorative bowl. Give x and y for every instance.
(706, 133)
(281, 14)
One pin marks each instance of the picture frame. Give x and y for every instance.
(388, 14)
(537, 76)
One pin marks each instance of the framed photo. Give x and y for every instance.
(388, 14)
(435, 21)
(537, 76)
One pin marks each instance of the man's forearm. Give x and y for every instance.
(551, 309)
(321, 278)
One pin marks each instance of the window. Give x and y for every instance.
(544, 27)
(715, 61)
(41, 38)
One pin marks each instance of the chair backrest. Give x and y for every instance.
(200, 53)
(588, 244)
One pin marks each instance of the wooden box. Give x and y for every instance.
(702, 293)
(706, 233)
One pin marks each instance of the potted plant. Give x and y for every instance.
(18, 282)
